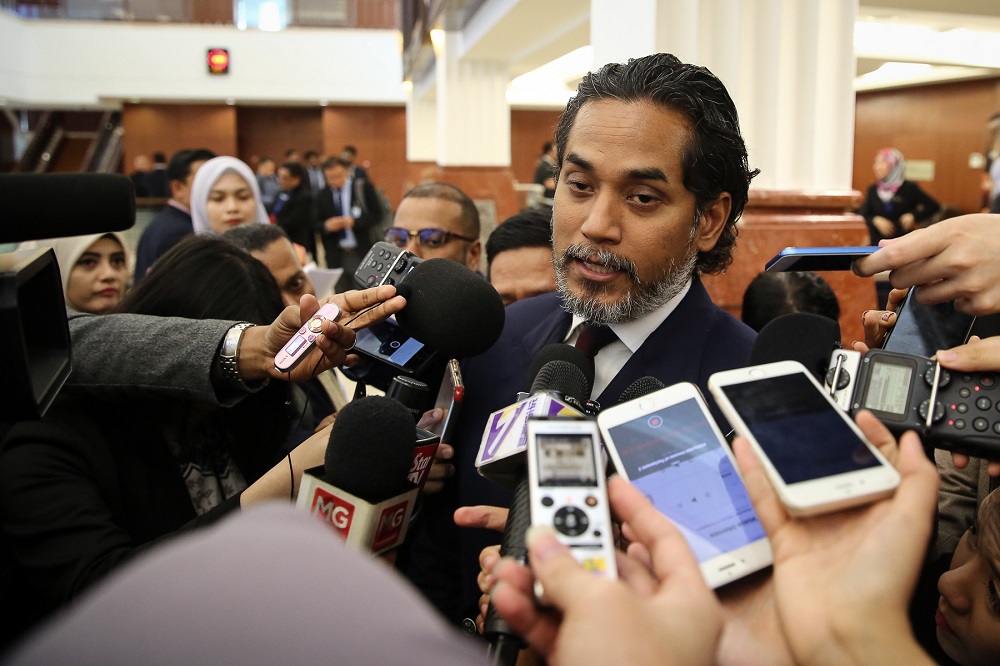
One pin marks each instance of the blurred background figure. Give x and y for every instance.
(293, 209)
(993, 157)
(893, 205)
(224, 195)
(314, 165)
(770, 295)
(347, 211)
(519, 256)
(545, 172)
(158, 180)
(141, 169)
(267, 181)
(95, 269)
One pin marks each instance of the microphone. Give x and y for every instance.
(450, 308)
(53, 205)
(362, 490)
(560, 380)
(640, 387)
(797, 336)
(559, 387)
(414, 396)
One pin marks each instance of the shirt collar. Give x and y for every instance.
(633, 333)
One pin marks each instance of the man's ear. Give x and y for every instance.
(712, 222)
(473, 254)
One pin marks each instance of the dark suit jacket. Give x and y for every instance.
(363, 196)
(293, 211)
(909, 198)
(695, 341)
(164, 231)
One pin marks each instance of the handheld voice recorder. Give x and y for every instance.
(568, 491)
(305, 338)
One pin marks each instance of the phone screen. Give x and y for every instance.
(803, 435)
(924, 329)
(388, 343)
(674, 457)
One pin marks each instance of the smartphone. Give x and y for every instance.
(449, 399)
(813, 453)
(304, 339)
(387, 343)
(567, 489)
(668, 445)
(818, 258)
(922, 330)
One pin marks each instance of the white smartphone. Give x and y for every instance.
(667, 445)
(813, 453)
(568, 492)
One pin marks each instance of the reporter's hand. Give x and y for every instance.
(876, 323)
(843, 580)
(490, 518)
(667, 615)
(953, 260)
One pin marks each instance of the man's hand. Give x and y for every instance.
(338, 223)
(843, 580)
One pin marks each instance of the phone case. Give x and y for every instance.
(818, 258)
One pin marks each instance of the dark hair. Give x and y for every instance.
(529, 228)
(770, 295)
(159, 157)
(334, 161)
(254, 237)
(715, 157)
(469, 217)
(239, 287)
(297, 171)
(350, 149)
(180, 162)
(547, 146)
(310, 153)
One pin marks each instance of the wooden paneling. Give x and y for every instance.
(774, 220)
(529, 130)
(942, 122)
(171, 127)
(379, 134)
(272, 130)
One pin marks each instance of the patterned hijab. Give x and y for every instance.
(897, 167)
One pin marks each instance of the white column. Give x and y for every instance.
(835, 98)
(421, 125)
(473, 117)
(619, 31)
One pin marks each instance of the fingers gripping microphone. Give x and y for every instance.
(558, 374)
(450, 308)
(362, 490)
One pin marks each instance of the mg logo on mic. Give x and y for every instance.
(335, 511)
(390, 525)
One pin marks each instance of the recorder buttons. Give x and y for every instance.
(316, 324)
(571, 521)
(980, 424)
(591, 500)
(938, 410)
(984, 403)
(547, 501)
(988, 381)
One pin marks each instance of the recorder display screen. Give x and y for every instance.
(566, 460)
(888, 387)
(676, 459)
(803, 435)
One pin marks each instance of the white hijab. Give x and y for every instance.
(68, 250)
(206, 177)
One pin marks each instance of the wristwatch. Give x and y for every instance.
(229, 355)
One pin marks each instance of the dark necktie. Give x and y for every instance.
(593, 338)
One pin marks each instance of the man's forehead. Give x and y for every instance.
(424, 212)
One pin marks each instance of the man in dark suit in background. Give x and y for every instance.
(173, 222)
(652, 177)
(347, 210)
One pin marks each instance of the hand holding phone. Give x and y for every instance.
(815, 456)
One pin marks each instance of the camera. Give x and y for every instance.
(384, 264)
(951, 410)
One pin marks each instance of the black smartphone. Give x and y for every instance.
(924, 329)
(818, 258)
(387, 343)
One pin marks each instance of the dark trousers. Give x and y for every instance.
(349, 260)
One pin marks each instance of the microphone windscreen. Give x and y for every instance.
(798, 336)
(558, 351)
(371, 448)
(450, 308)
(640, 387)
(54, 205)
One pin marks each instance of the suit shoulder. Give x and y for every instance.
(525, 314)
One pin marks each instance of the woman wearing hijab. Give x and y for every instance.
(95, 269)
(225, 194)
(894, 206)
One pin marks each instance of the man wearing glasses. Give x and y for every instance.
(438, 220)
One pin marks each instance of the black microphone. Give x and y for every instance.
(797, 336)
(640, 387)
(53, 205)
(450, 308)
(362, 490)
(559, 373)
(415, 396)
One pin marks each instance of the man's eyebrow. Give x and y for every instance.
(647, 173)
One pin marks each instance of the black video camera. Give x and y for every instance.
(384, 264)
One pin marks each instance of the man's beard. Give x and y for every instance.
(639, 301)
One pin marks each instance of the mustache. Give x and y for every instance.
(584, 252)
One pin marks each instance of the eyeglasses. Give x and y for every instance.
(427, 237)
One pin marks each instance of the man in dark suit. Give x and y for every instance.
(347, 210)
(652, 177)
